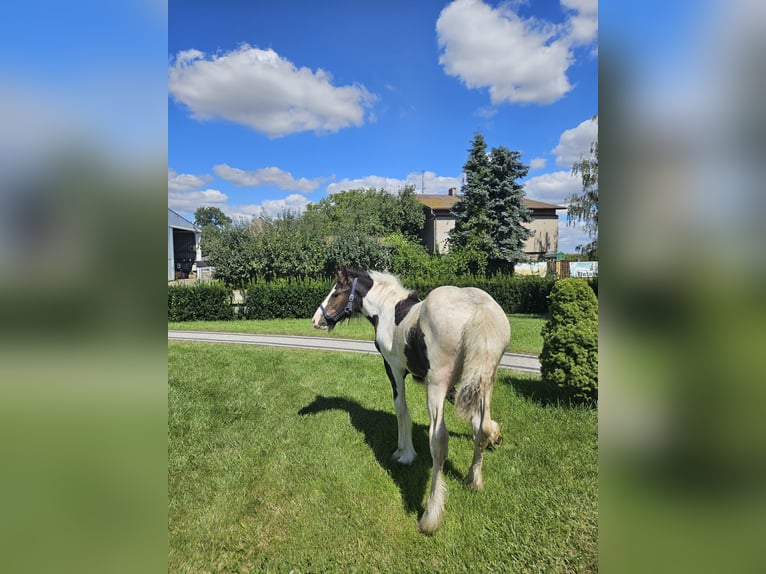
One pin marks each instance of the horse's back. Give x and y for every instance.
(462, 302)
(448, 310)
(490, 315)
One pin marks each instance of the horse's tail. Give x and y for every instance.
(485, 337)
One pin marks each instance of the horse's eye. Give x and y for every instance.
(336, 295)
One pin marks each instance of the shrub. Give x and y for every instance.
(514, 293)
(408, 257)
(233, 253)
(355, 249)
(520, 294)
(569, 358)
(199, 302)
(284, 298)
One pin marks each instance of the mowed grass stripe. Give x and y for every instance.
(279, 460)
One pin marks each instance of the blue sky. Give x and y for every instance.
(274, 104)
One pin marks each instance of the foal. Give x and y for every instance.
(454, 335)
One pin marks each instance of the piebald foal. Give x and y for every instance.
(455, 335)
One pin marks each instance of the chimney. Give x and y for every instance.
(451, 191)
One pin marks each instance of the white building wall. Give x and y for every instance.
(171, 258)
(441, 235)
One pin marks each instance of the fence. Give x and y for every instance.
(559, 269)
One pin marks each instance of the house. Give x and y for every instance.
(183, 246)
(543, 243)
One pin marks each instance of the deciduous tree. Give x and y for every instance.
(212, 221)
(583, 207)
(373, 212)
(211, 216)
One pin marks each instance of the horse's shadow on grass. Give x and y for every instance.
(380, 433)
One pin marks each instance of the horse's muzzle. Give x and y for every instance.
(318, 320)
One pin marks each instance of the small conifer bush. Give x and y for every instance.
(569, 358)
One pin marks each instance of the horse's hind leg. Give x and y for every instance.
(437, 432)
(486, 432)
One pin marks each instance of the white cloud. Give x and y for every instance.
(189, 201)
(262, 90)
(185, 196)
(585, 6)
(519, 60)
(574, 144)
(429, 180)
(538, 163)
(267, 176)
(582, 26)
(486, 112)
(433, 183)
(553, 187)
(269, 208)
(186, 181)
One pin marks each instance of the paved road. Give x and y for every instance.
(515, 361)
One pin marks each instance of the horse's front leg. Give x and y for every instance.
(405, 453)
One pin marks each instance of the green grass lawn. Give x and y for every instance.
(525, 330)
(280, 460)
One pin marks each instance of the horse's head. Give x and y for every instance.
(344, 300)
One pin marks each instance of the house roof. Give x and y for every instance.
(441, 201)
(534, 204)
(177, 222)
(434, 201)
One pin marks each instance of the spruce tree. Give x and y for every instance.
(471, 211)
(507, 209)
(491, 210)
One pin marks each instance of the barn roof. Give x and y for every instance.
(177, 222)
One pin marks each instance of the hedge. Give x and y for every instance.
(299, 298)
(284, 298)
(199, 302)
(514, 293)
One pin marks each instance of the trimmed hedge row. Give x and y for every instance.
(299, 298)
(514, 293)
(199, 302)
(284, 298)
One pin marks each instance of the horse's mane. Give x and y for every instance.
(390, 286)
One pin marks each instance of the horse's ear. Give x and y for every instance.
(343, 275)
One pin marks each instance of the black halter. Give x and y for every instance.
(347, 311)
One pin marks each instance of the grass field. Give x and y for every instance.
(525, 330)
(280, 460)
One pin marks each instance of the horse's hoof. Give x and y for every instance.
(429, 524)
(404, 457)
(494, 443)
